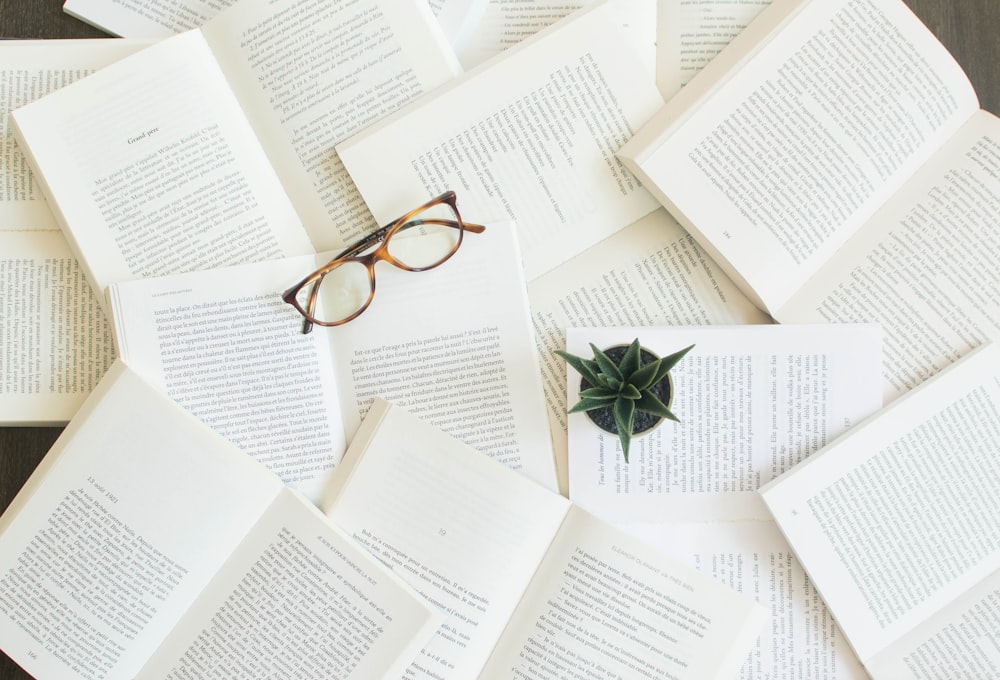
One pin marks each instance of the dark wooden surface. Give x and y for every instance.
(969, 28)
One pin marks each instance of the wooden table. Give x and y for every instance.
(968, 28)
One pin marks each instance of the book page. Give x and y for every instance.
(224, 345)
(30, 69)
(454, 343)
(464, 531)
(779, 166)
(898, 516)
(605, 600)
(461, 353)
(531, 137)
(501, 25)
(57, 343)
(961, 641)
(652, 273)
(923, 267)
(118, 530)
(298, 599)
(752, 402)
(689, 33)
(387, 53)
(149, 20)
(753, 558)
(457, 17)
(136, 158)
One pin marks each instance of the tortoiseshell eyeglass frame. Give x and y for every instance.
(383, 235)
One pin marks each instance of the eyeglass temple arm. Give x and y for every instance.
(467, 226)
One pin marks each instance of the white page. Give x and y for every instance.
(464, 531)
(453, 343)
(500, 25)
(753, 558)
(298, 598)
(689, 33)
(512, 140)
(898, 516)
(128, 516)
(133, 18)
(57, 343)
(135, 158)
(603, 599)
(924, 266)
(652, 273)
(30, 69)
(778, 167)
(752, 402)
(149, 20)
(310, 75)
(961, 641)
(223, 345)
(457, 17)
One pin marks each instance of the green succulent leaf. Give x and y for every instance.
(630, 361)
(668, 362)
(643, 378)
(607, 366)
(585, 367)
(649, 403)
(630, 392)
(626, 439)
(599, 393)
(614, 383)
(586, 404)
(624, 411)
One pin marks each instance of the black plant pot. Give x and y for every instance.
(642, 423)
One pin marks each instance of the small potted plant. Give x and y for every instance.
(629, 397)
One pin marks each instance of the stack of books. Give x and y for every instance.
(405, 494)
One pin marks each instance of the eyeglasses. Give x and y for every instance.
(343, 288)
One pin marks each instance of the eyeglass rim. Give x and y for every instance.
(381, 236)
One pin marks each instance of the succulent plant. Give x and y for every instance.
(625, 387)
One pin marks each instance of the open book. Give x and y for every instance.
(454, 344)
(532, 585)
(215, 146)
(529, 135)
(834, 159)
(146, 546)
(752, 402)
(898, 525)
(57, 340)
